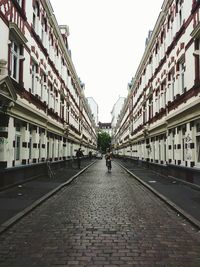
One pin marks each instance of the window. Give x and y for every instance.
(165, 149)
(183, 141)
(54, 102)
(50, 93)
(62, 108)
(163, 93)
(48, 154)
(40, 147)
(36, 17)
(198, 149)
(34, 78)
(159, 150)
(173, 88)
(19, 2)
(182, 77)
(30, 147)
(157, 55)
(197, 59)
(170, 28)
(162, 44)
(179, 10)
(198, 141)
(48, 96)
(58, 149)
(180, 18)
(144, 114)
(150, 108)
(173, 144)
(43, 86)
(43, 31)
(52, 154)
(17, 146)
(14, 60)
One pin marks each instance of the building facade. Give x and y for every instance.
(43, 111)
(105, 127)
(94, 109)
(160, 120)
(116, 112)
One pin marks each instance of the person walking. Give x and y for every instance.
(108, 158)
(90, 155)
(79, 155)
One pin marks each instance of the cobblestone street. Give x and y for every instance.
(101, 219)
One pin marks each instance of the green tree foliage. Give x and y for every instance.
(104, 141)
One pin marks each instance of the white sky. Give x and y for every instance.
(107, 41)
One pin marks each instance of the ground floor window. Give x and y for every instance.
(173, 152)
(40, 148)
(30, 147)
(48, 149)
(183, 148)
(165, 150)
(198, 149)
(17, 147)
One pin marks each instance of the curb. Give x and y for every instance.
(7, 224)
(172, 205)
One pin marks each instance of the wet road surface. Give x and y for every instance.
(101, 219)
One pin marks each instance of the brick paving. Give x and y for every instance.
(104, 220)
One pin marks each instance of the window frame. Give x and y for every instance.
(15, 56)
(36, 17)
(198, 143)
(34, 77)
(182, 76)
(17, 154)
(20, 2)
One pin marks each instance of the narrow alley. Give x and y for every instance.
(101, 219)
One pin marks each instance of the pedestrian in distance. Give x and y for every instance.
(108, 157)
(90, 155)
(79, 155)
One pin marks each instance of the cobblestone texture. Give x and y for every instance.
(103, 220)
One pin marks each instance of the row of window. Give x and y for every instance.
(16, 56)
(160, 46)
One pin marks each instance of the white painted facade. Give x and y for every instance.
(43, 109)
(105, 127)
(94, 109)
(160, 120)
(116, 112)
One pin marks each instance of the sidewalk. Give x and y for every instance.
(17, 198)
(181, 195)
(101, 220)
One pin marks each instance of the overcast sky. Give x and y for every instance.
(107, 41)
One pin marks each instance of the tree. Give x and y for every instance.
(103, 141)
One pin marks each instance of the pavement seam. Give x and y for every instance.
(172, 205)
(7, 224)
